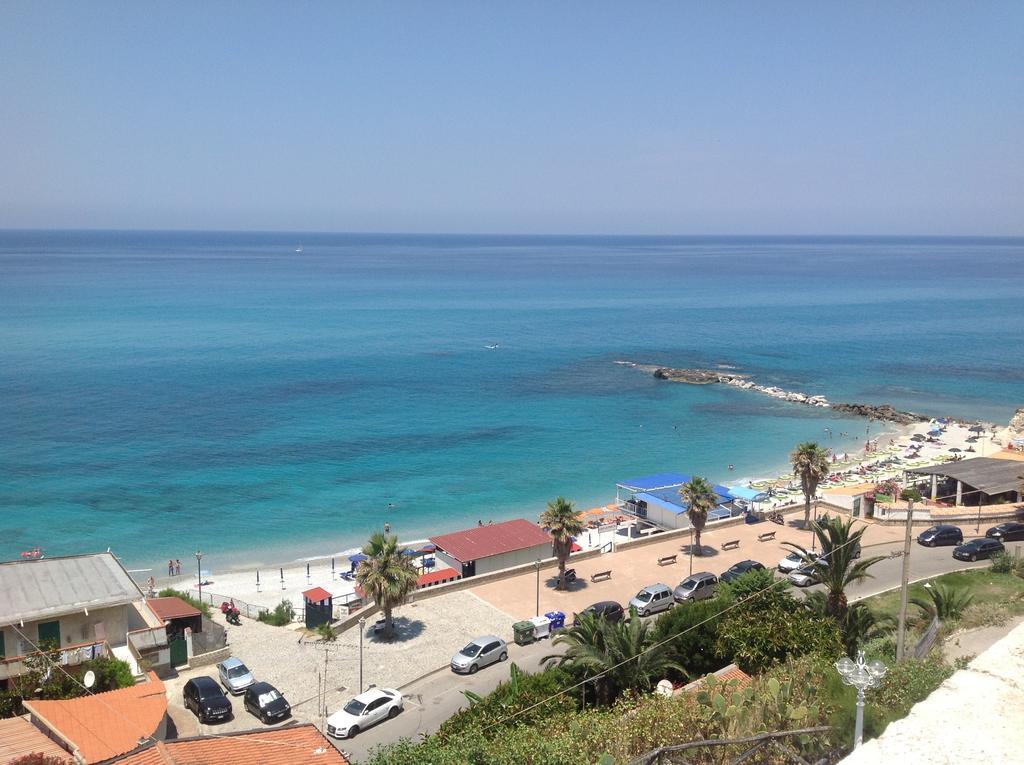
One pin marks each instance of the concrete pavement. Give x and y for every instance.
(433, 699)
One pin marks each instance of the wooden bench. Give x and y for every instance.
(668, 560)
(600, 576)
(766, 536)
(732, 544)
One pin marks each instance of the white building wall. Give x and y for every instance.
(513, 558)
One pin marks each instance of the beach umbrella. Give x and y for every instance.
(944, 420)
(357, 558)
(408, 551)
(935, 432)
(428, 548)
(977, 429)
(954, 449)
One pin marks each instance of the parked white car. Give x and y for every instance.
(479, 653)
(363, 711)
(234, 675)
(791, 562)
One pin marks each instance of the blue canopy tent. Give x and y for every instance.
(656, 497)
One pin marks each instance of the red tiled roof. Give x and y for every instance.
(171, 608)
(724, 675)
(104, 725)
(441, 575)
(493, 539)
(19, 737)
(316, 594)
(291, 745)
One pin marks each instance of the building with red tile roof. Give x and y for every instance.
(99, 726)
(19, 737)
(495, 546)
(291, 745)
(172, 608)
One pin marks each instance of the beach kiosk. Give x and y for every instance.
(319, 607)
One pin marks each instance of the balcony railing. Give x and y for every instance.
(67, 656)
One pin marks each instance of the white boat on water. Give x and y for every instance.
(299, 249)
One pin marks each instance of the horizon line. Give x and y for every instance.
(316, 232)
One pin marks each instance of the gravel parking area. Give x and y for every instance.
(429, 632)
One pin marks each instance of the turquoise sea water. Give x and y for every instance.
(166, 391)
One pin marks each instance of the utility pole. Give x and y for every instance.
(901, 630)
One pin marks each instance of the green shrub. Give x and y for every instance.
(983, 615)
(170, 592)
(693, 629)
(111, 673)
(282, 614)
(325, 632)
(1003, 563)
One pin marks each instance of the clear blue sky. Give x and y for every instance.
(712, 117)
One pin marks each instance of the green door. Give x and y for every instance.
(49, 632)
(179, 651)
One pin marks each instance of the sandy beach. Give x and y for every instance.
(885, 456)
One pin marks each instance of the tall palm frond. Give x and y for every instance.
(562, 524)
(837, 564)
(810, 464)
(944, 602)
(700, 498)
(386, 575)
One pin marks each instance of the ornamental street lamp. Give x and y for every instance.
(199, 572)
(861, 676)
(536, 565)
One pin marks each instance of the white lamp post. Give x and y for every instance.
(861, 676)
(362, 629)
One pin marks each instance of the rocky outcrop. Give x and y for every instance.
(1017, 422)
(692, 376)
(882, 412)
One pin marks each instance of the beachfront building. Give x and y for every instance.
(656, 500)
(978, 481)
(85, 605)
(483, 549)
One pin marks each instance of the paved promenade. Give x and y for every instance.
(635, 567)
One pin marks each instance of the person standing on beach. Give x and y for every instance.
(170, 567)
(177, 567)
(387, 527)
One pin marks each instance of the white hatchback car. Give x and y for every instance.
(364, 710)
(234, 675)
(791, 562)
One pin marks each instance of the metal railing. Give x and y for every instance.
(806, 746)
(253, 610)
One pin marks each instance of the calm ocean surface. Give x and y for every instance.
(161, 392)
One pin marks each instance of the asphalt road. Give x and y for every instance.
(431, 700)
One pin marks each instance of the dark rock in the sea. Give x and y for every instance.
(692, 376)
(880, 412)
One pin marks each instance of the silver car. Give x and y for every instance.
(652, 599)
(697, 586)
(234, 675)
(479, 653)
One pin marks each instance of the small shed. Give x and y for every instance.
(493, 547)
(176, 614)
(319, 605)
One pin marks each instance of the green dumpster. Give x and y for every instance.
(523, 632)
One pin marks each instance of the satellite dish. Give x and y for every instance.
(90, 679)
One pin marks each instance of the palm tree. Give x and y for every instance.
(810, 462)
(837, 565)
(944, 602)
(700, 499)
(562, 524)
(386, 575)
(614, 655)
(859, 625)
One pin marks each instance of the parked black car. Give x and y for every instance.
(740, 569)
(943, 534)
(978, 548)
(1006, 532)
(266, 702)
(606, 609)
(206, 699)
